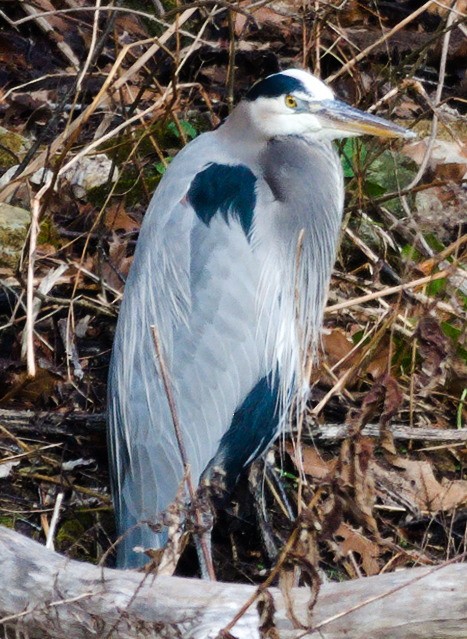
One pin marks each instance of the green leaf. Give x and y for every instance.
(373, 189)
(434, 242)
(451, 331)
(435, 287)
(161, 167)
(410, 252)
(187, 128)
(347, 167)
(353, 151)
(358, 336)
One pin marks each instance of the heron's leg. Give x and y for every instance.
(204, 551)
(203, 519)
(263, 472)
(256, 482)
(273, 476)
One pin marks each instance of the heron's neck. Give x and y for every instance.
(243, 136)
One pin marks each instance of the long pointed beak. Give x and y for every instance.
(342, 117)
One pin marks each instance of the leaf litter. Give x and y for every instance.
(341, 509)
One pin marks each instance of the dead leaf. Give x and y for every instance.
(379, 363)
(118, 219)
(336, 346)
(311, 461)
(430, 494)
(31, 390)
(354, 541)
(413, 485)
(6, 468)
(336, 354)
(433, 348)
(444, 153)
(383, 399)
(115, 272)
(356, 479)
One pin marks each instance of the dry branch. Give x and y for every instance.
(28, 422)
(48, 595)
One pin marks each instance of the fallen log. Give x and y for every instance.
(48, 423)
(46, 595)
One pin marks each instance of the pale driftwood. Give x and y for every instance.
(330, 432)
(45, 595)
(27, 422)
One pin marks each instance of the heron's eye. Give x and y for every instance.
(290, 101)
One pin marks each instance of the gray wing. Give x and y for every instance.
(221, 290)
(196, 281)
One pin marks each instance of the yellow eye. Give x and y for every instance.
(290, 101)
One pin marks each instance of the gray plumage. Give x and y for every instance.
(237, 296)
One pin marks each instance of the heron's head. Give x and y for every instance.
(294, 102)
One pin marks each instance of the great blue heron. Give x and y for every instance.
(232, 267)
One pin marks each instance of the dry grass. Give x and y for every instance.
(135, 86)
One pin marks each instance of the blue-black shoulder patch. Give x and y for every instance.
(273, 86)
(254, 425)
(225, 189)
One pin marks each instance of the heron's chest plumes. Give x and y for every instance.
(296, 232)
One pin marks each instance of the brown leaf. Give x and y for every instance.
(31, 390)
(392, 398)
(433, 349)
(336, 355)
(59, 24)
(443, 153)
(115, 272)
(117, 219)
(311, 461)
(442, 7)
(336, 346)
(379, 364)
(354, 541)
(414, 483)
(356, 479)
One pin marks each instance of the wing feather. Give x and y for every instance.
(197, 284)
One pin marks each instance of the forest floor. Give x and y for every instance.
(94, 103)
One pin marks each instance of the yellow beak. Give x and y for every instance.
(342, 117)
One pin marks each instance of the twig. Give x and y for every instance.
(231, 65)
(46, 27)
(92, 46)
(29, 328)
(46, 284)
(351, 63)
(389, 291)
(60, 482)
(439, 92)
(53, 522)
(335, 432)
(110, 85)
(63, 602)
(368, 351)
(113, 132)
